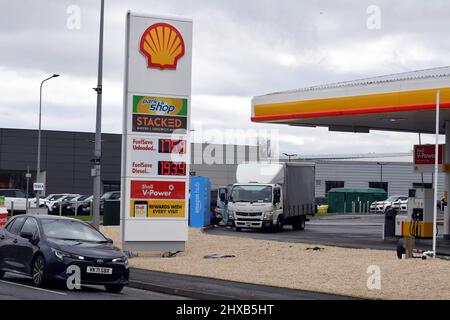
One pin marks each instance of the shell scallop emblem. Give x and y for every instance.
(162, 45)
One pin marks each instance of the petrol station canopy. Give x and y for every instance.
(400, 102)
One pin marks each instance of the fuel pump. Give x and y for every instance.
(418, 222)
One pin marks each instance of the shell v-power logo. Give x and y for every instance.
(162, 45)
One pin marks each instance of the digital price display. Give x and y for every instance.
(170, 168)
(172, 146)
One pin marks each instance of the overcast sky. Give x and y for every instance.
(241, 49)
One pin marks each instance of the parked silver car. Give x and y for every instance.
(383, 206)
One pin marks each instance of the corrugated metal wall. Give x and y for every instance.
(400, 176)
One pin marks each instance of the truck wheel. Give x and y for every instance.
(299, 224)
(302, 223)
(237, 229)
(279, 225)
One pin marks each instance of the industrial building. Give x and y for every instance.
(66, 159)
(394, 177)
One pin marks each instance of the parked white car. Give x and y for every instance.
(19, 199)
(401, 204)
(50, 200)
(383, 206)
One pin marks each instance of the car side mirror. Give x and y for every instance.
(109, 240)
(27, 235)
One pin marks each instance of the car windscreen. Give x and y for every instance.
(55, 197)
(82, 198)
(20, 194)
(71, 230)
(106, 195)
(251, 193)
(8, 193)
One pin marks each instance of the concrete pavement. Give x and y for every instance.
(15, 287)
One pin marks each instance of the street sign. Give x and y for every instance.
(156, 122)
(38, 186)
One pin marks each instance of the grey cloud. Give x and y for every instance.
(237, 49)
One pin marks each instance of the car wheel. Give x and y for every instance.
(38, 271)
(114, 288)
(2, 274)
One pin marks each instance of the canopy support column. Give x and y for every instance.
(446, 231)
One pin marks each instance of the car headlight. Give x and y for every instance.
(231, 214)
(61, 255)
(123, 260)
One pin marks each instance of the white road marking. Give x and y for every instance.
(30, 287)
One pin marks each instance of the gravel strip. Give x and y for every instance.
(331, 270)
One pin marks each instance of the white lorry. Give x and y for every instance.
(268, 196)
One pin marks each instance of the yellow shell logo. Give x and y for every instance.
(163, 45)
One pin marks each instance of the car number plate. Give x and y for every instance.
(99, 270)
(248, 224)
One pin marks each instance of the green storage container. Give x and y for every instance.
(342, 200)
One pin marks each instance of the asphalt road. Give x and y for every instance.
(343, 231)
(14, 287)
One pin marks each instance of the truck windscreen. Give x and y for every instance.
(251, 193)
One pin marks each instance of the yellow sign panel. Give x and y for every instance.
(157, 208)
(424, 229)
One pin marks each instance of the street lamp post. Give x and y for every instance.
(98, 127)
(38, 166)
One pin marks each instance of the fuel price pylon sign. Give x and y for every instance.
(155, 142)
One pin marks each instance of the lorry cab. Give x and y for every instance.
(253, 205)
(269, 195)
